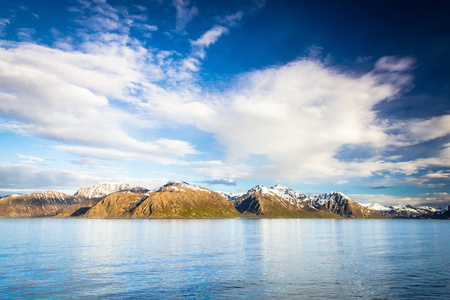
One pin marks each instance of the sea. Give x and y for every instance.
(224, 259)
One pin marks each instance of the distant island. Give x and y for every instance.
(183, 200)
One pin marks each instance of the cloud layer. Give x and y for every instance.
(292, 122)
(66, 96)
(102, 93)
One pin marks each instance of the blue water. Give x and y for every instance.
(236, 258)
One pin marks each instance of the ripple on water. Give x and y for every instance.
(242, 258)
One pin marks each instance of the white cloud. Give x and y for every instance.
(299, 115)
(65, 95)
(29, 157)
(445, 153)
(231, 20)
(394, 64)
(28, 178)
(207, 39)
(3, 24)
(101, 17)
(25, 34)
(297, 118)
(21, 176)
(432, 179)
(184, 13)
(284, 122)
(163, 152)
(342, 182)
(257, 4)
(98, 15)
(425, 130)
(438, 175)
(432, 199)
(220, 169)
(210, 37)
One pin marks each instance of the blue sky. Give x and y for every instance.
(320, 96)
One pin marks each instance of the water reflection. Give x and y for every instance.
(246, 258)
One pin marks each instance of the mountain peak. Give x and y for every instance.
(407, 211)
(183, 184)
(260, 189)
(104, 188)
(230, 196)
(173, 182)
(378, 207)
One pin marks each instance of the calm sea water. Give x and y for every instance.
(237, 258)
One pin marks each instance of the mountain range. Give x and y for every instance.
(183, 200)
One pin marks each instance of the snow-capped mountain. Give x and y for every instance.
(283, 192)
(406, 211)
(36, 204)
(295, 198)
(172, 200)
(103, 189)
(180, 185)
(342, 205)
(280, 201)
(179, 198)
(287, 193)
(323, 199)
(377, 207)
(230, 196)
(275, 202)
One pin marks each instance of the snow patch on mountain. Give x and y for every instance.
(406, 211)
(176, 184)
(323, 199)
(52, 195)
(290, 195)
(377, 207)
(260, 189)
(230, 196)
(103, 189)
(282, 194)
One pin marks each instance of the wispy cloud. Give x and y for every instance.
(207, 39)
(3, 24)
(257, 4)
(184, 13)
(30, 158)
(210, 37)
(100, 89)
(28, 178)
(23, 176)
(380, 187)
(25, 34)
(287, 116)
(342, 182)
(433, 179)
(165, 152)
(64, 96)
(431, 199)
(395, 64)
(101, 17)
(231, 20)
(228, 182)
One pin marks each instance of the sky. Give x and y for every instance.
(319, 96)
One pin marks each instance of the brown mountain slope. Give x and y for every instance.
(170, 201)
(36, 204)
(263, 202)
(114, 206)
(342, 205)
(183, 202)
(78, 209)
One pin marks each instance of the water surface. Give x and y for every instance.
(233, 258)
